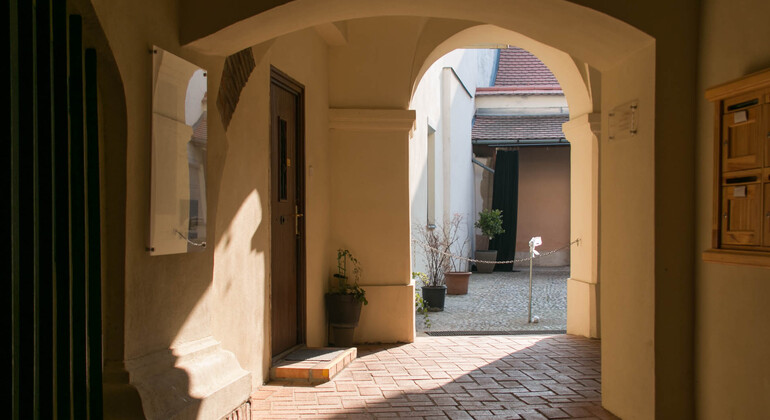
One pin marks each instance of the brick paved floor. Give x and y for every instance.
(510, 377)
(499, 302)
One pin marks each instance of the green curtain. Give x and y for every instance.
(505, 197)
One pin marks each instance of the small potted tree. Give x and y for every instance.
(344, 300)
(458, 276)
(491, 224)
(437, 262)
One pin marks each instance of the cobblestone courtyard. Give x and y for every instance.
(498, 302)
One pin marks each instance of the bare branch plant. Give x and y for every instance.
(438, 244)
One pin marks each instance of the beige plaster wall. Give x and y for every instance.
(650, 305)
(374, 67)
(583, 290)
(167, 323)
(626, 270)
(242, 257)
(152, 282)
(732, 367)
(368, 153)
(544, 202)
(173, 301)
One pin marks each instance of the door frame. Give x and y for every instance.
(284, 81)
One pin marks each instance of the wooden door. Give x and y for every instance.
(286, 213)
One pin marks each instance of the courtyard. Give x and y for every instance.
(469, 377)
(498, 302)
(486, 362)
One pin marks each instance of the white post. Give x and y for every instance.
(536, 241)
(531, 257)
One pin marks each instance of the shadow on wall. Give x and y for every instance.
(557, 376)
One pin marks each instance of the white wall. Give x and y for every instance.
(521, 105)
(444, 101)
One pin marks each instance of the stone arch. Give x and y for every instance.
(580, 31)
(560, 63)
(582, 131)
(622, 55)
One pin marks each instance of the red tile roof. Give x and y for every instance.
(518, 67)
(518, 127)
(519, 90)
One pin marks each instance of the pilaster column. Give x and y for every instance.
(583, 285)
(370, 213)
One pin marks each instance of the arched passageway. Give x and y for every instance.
(582, 131)
(359, 62)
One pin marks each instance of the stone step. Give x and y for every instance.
(312, 365)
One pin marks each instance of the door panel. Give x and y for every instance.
(741, 145)
(287, 294)
(741, 208)
(766, 220)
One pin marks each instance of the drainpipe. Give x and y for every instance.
(485, 167)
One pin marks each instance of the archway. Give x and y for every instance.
(624, 57)
(582, 131)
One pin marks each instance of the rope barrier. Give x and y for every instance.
(459, 257)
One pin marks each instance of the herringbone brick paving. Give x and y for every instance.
(510, 377)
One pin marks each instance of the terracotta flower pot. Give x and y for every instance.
(457, 282)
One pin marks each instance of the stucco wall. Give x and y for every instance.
(533, 104)
(732, 347)
(626, 273)
(174, 302)
(444, 101)
(242, 256)
(167, 322)
(544, 203)
(647, 302)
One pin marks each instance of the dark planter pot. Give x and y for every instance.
(343, 312)
(343, 309)
(457, 282)
(342, 336)
(490, 255)
(434, 297)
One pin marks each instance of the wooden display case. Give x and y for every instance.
(741, 219)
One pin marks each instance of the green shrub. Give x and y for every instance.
(491, 223)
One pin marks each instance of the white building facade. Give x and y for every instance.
(440, 166)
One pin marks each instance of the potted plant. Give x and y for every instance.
(438, 244)
(344, 300)
(491, 224)
(458, 276)
(420, 305)
(433, 294)
(437, 262)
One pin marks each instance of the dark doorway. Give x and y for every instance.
(505, 196)
(287, 297)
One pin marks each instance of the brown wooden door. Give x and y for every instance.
(287, 199)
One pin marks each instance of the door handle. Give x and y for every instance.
(297, 215)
